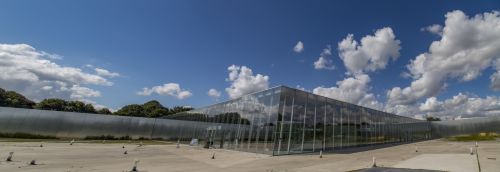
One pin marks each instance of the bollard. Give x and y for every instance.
(416, 149)
(374, 162)
(477, 145)
(71, 142)
(41, 145)
(33, 162)
(9, 158)
(320, 154)
(134, 168)
(178, 142)
(471, 151)
(213, 156)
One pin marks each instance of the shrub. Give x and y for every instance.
(25, 136)
(107, 137)
(474, 137)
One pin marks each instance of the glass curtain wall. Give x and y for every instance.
(283, 120)
(311, 123)
(247, 123)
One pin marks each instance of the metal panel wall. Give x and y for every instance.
(466, 126)
(72, 125)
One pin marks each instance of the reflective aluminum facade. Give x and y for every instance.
(283, 120)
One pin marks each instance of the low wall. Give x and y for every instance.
(81, 125)
(466, 126)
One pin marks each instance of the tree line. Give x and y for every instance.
(431, 118)
(152, 109)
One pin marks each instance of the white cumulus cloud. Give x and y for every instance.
(168, 89)
(495, 81)
(353, 90)
(462, 105)
(214, 93)
(431, 105)
(78, 92)
(106, 73)
(47, 88)
(299, 47)
(243, 81)
(372, 53)
(324, 61)
(495, 77)
(467, 47)
(435, 29)
(33, 73)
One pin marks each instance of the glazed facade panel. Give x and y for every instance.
(278, 121)
(312, 123)
(284, 121)
(466, 126)
(244, 124)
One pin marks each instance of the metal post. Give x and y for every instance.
(9, 158)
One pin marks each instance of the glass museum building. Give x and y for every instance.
(283, 120)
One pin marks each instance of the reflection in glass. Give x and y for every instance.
(276, 121)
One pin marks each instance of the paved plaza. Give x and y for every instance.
(61, 156)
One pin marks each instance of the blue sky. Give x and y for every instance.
(192, 43)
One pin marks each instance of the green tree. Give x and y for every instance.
(52, 104)
(154, 109)
(14, 99)
(178, 109)
(131, 110)
(430, 118)
(158, 113)
(89, 108)
(104, 111)
(74, 106)
(78, 106)
(3, 97)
